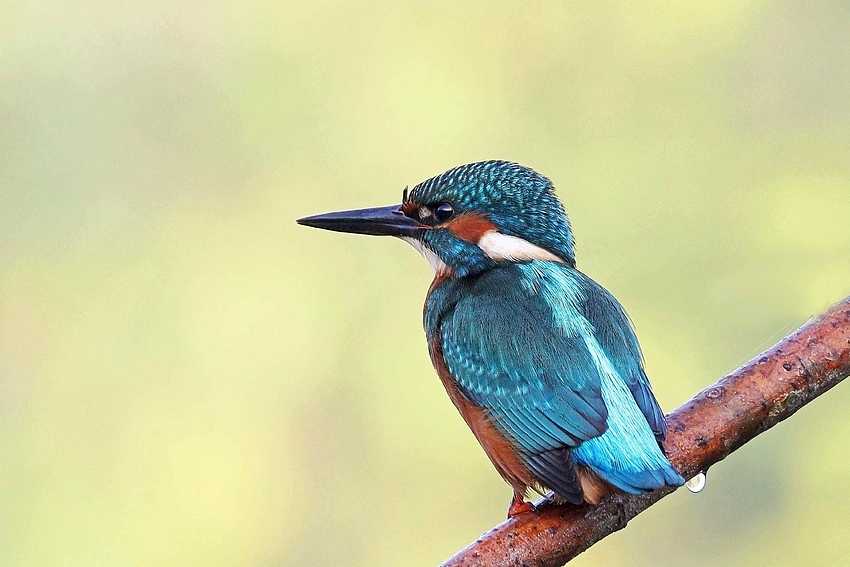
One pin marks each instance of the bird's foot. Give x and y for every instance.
(520, 506)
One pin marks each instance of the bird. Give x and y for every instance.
(542, 362)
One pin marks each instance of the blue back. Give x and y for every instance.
(553, 358)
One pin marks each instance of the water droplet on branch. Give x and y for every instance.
(696, 484)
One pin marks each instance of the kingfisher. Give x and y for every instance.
(540, 361)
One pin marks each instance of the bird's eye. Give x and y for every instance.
(444, 212)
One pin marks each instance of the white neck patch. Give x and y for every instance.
(495, 245)
(437, 264)
(500, 247)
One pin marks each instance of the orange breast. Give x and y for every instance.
(502, 453)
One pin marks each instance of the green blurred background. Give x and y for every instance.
(189, 378)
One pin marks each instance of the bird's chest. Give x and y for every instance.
(499, 449)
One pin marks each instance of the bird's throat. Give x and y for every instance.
(441, 269)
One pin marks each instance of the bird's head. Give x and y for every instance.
(470, 218)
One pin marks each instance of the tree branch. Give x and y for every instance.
(705, 430)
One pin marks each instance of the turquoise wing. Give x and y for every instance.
(614, 332)
(537, 380)
(541, 347)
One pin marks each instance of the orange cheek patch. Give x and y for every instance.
(470, 227)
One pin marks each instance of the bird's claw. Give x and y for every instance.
(519, 506)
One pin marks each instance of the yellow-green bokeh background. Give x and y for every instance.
(188, 378)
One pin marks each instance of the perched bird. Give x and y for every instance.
(541, 361)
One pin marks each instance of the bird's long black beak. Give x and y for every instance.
(379, 221)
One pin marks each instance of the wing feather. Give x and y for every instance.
(517, 341)
(617, 338)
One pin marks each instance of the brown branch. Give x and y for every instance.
(705, 430)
